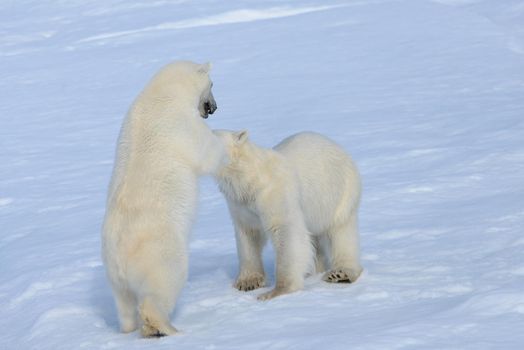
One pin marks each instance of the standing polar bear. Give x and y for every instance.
(164, 146)
(304, 194)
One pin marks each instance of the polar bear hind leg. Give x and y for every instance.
(321, 254)
(160, 281)
(345, 265)
(155, 321)
(127, 309)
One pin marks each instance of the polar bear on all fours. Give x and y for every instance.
(304, 194)
(164, 145)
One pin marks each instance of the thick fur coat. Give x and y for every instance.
(304, 195)
(164, 145)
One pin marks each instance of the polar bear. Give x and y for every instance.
(164, 145)
(304, 194)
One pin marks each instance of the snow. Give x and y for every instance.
(428, 97)
(237, 16)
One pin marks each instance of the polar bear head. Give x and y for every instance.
(240, 159)
(188, 84)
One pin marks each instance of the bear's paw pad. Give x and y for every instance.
(148, 331)
(341, 276)
(250, 283)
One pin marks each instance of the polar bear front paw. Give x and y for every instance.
(342, 275)
(277, 291)
(271, 294)
(250, 282)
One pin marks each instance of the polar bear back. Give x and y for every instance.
(327, 177)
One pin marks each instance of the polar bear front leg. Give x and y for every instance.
(250, 242)
(293, 254)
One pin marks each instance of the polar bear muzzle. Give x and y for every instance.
(207, 106)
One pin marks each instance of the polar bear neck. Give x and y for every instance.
(249, 173)
(163, 106)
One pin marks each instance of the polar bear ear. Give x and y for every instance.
(205, 68)
(241, 136)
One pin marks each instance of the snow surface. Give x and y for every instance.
(428, 96)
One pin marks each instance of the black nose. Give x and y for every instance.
(210, 107)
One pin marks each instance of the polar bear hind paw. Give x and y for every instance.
(250, 283)
(149, 331)
(341, 276)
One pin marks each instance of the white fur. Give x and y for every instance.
(164, 145)
(303, 194)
